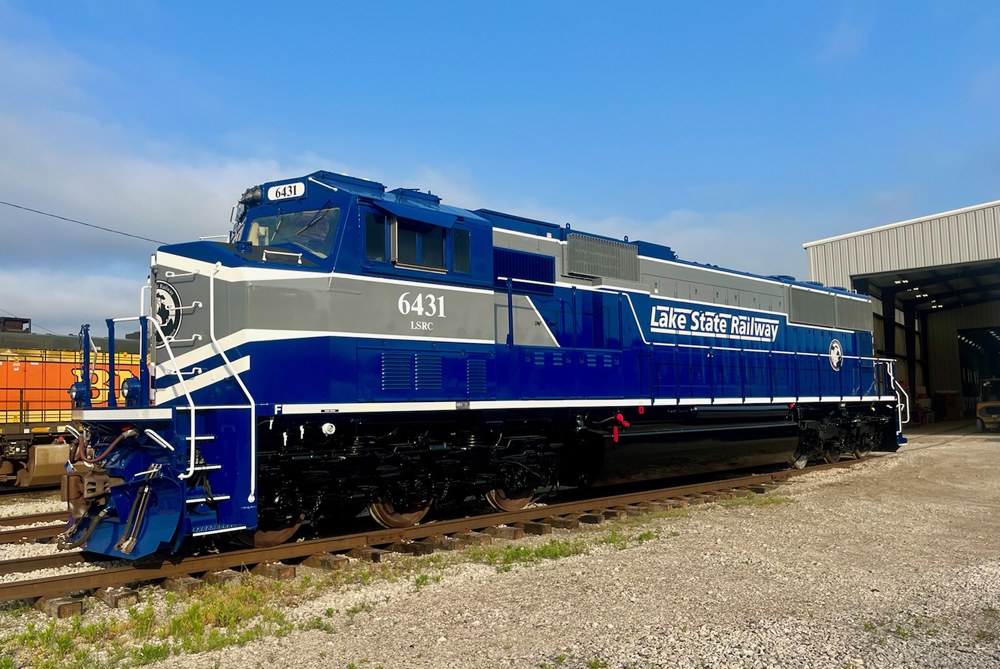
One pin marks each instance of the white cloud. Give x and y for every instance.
(62, 301)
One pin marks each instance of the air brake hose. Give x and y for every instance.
(86, 535)
(81, 449)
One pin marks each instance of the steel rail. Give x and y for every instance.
(62, 585)
(22, 565)
(30, 534)
(26, 490)
(15, 521)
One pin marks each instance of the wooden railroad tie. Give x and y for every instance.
(221, 577)
(443, 543)
(60, 607)
(370, 554)
(563, 523)
(411, 548)
(506, 532)
(118, 598)
(326, 561)
(473, 538)
(184, 585)
(278, 571)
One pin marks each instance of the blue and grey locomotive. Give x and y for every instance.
(350, 348)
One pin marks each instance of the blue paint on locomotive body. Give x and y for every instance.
(609, 345)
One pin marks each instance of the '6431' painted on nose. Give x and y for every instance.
(422, 304)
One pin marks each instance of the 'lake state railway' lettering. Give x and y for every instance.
(677, 320)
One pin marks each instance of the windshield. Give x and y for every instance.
(312, 230)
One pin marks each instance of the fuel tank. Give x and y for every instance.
(703, 440)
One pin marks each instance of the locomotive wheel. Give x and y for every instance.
(832, 455)
(862, 451)
(386, 515)
(269, 538)
(516, 500)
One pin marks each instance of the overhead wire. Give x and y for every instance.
(72, 220)
(89, 225)
(33, 323)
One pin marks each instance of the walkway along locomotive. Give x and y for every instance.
(353, 348)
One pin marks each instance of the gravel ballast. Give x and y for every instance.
(893, 563)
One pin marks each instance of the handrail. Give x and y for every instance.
(180, 377)
(901, 403)
(170, 274)
(152, 434)
(229, 367)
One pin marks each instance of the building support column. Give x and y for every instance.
(888, 300)
(910, 334)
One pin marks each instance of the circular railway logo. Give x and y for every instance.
(836, 355)
(168, 310)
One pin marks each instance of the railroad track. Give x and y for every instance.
(15, 490)
(419, 539)
(14, 536)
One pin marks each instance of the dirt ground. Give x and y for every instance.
(892, 563)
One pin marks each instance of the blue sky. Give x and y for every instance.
(731, 131)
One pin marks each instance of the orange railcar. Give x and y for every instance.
(36, 371)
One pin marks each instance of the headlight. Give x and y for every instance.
(131, 388)
(78, 391)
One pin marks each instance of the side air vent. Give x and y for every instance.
(397, 371)
(603, 258)
(475, 377)
(428, 371)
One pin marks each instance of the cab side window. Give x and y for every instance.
(374, 237)
(461, 255)
(419, 245)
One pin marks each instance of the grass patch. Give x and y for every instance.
(364, 606)
(216, 616)
(754, 499)
(505, 557)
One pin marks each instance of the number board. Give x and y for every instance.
(285, 191)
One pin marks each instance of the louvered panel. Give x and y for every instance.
(475, 377)
(397, 371)
(428, 376)
(606, 258)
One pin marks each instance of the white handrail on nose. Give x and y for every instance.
(180, 377)
(229, 367)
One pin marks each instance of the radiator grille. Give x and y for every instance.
(604, 258)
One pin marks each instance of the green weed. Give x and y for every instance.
(504, 558)
(754, 500)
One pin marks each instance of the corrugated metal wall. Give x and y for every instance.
(942, 341)
(966, 235)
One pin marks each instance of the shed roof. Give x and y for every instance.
(967, 235)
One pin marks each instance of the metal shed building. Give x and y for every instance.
(936, 284)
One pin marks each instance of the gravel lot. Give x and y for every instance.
(894, 563)
(33, 503)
